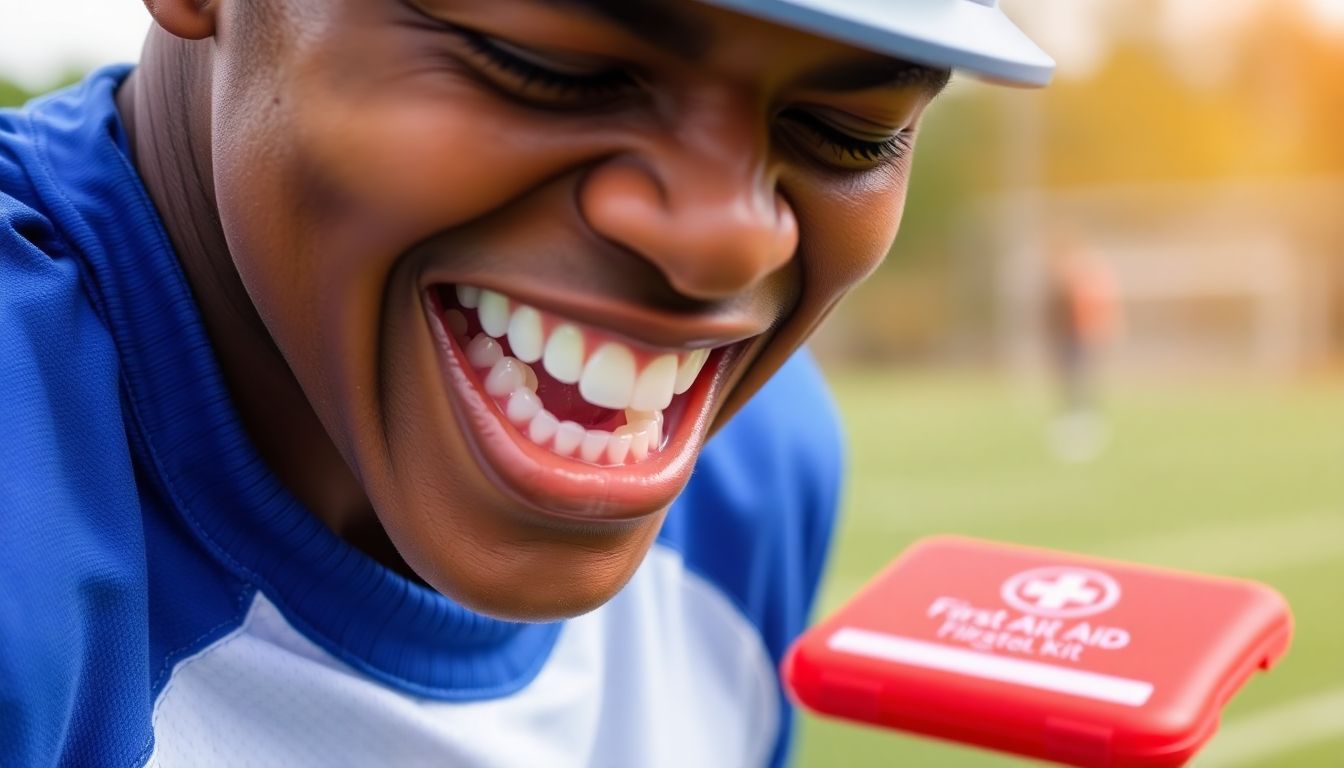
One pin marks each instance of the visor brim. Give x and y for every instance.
(962, 35)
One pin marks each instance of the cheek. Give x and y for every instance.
(409, 167)
(418, 148)
(332, 179)
(847, 234)
(359, 164)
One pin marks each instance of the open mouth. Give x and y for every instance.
(576, 390)
(581, 404)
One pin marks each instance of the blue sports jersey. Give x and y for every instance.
(165, 601)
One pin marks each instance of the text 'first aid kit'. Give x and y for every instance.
(1051, 655)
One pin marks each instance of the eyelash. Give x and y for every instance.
(846, 146)
(591, 89)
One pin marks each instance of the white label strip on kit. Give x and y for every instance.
(1033, 674)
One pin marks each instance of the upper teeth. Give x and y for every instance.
(494, 313)
(563, 356)
(606, 371)
(525, 334)
(468, 296)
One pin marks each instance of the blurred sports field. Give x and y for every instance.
(1243, 479)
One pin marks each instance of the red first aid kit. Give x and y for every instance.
(1051, 655)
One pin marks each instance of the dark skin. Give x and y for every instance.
(320, 164)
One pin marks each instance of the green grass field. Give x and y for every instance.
(1238, 479)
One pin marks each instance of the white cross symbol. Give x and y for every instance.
(1067, 588)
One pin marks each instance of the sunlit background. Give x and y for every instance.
(1113, 323)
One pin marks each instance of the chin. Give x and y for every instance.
(555, 602)
(502, 561)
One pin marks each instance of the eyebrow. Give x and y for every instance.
(655, 21)
(877, 72)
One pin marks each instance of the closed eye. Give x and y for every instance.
(843, 148)
(538, 80)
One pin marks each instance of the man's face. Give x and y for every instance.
(523, 256)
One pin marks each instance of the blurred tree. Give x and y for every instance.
(1276, 112)
(957, 161)
(12, 95)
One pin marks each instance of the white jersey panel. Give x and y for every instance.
(669, 673)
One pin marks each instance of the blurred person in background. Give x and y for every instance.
(358, 354)
(1082, 317)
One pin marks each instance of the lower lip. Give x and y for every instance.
(564, 488)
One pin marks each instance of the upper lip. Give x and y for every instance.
(644, 325)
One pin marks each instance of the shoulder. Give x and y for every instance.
(59, 361)
(71, 544)
(27, 235)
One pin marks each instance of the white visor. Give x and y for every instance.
(970, 35)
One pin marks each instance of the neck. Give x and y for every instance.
(165, 106)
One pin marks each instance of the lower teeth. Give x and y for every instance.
(513, 385)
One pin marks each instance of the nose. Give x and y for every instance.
(704, 210)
